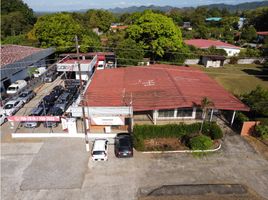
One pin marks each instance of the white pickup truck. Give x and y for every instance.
(16, 87)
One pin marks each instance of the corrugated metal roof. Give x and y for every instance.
(14, 53)
(157, 87)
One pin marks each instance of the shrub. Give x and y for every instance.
(183, 132)
(262, 131)
(233, 60)
(212, 130)
(200, 142)
(264, 121)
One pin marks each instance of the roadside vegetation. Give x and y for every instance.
(257, 100)
(176, 136)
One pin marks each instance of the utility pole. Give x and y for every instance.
(81, 94)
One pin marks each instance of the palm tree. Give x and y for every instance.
(206, 103)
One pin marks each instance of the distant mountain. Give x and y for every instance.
(242, 6)
(140, 9)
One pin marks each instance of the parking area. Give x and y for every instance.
(62, 169)
(41, 92)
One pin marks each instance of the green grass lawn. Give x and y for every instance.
(238, 79)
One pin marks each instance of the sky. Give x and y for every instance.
(71, 5)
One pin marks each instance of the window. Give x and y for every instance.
(184, 112)
(166, 113)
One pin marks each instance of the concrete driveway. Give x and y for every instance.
(61, 169)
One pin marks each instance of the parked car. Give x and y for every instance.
(38, 111)
(54, 111)
(48, 101)
(12, 106)
(123, 145)
(16, 87)
(45, 106)
(100, 150)
(3, 117)
(57, 91)
(26, 96)
(63, 101)
(50, 76)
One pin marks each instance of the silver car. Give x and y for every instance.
(35, 112)
(26, 96)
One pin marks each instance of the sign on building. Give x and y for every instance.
(107, 120)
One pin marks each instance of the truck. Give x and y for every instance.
(16, 87)
(39, 71)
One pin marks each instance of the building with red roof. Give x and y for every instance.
(230, 49)
(163, 91)
(16, 59)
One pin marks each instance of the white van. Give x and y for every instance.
(16, 87)
(100, 150)
(101, 65)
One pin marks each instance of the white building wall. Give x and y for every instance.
(230, 51)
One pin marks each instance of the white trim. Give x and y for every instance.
(184, 151)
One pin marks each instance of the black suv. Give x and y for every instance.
(123, 145)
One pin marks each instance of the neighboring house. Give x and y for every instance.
(261, 36)
(213, 61)
(187, 26)
(116, 28)
(16, 60)
(241, 22)
(161, 92)
(97, 31)
(230, 49)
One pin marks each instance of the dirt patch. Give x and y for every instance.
(260, 146)
(163, 144)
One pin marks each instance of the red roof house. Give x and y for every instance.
(157, 87)
(230, 49)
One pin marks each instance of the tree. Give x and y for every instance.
(258, 18)
(206, 104)
(156, 33)
(16, 18)
(128, 52)
(176, 16)
(59, 30)
(101, 19)
(56, 30)
(249, 33)
(257, 101)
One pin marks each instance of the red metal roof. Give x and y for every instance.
(262, 33)
(13, 53)
(157, 87)
(202, 43)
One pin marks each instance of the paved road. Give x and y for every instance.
(61, 169)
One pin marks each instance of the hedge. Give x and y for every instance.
(201, 142)
(212, 130)
(262, 131)
(179, 131)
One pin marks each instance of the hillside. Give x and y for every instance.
(242, 6)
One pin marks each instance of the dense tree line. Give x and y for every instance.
(154, 34)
